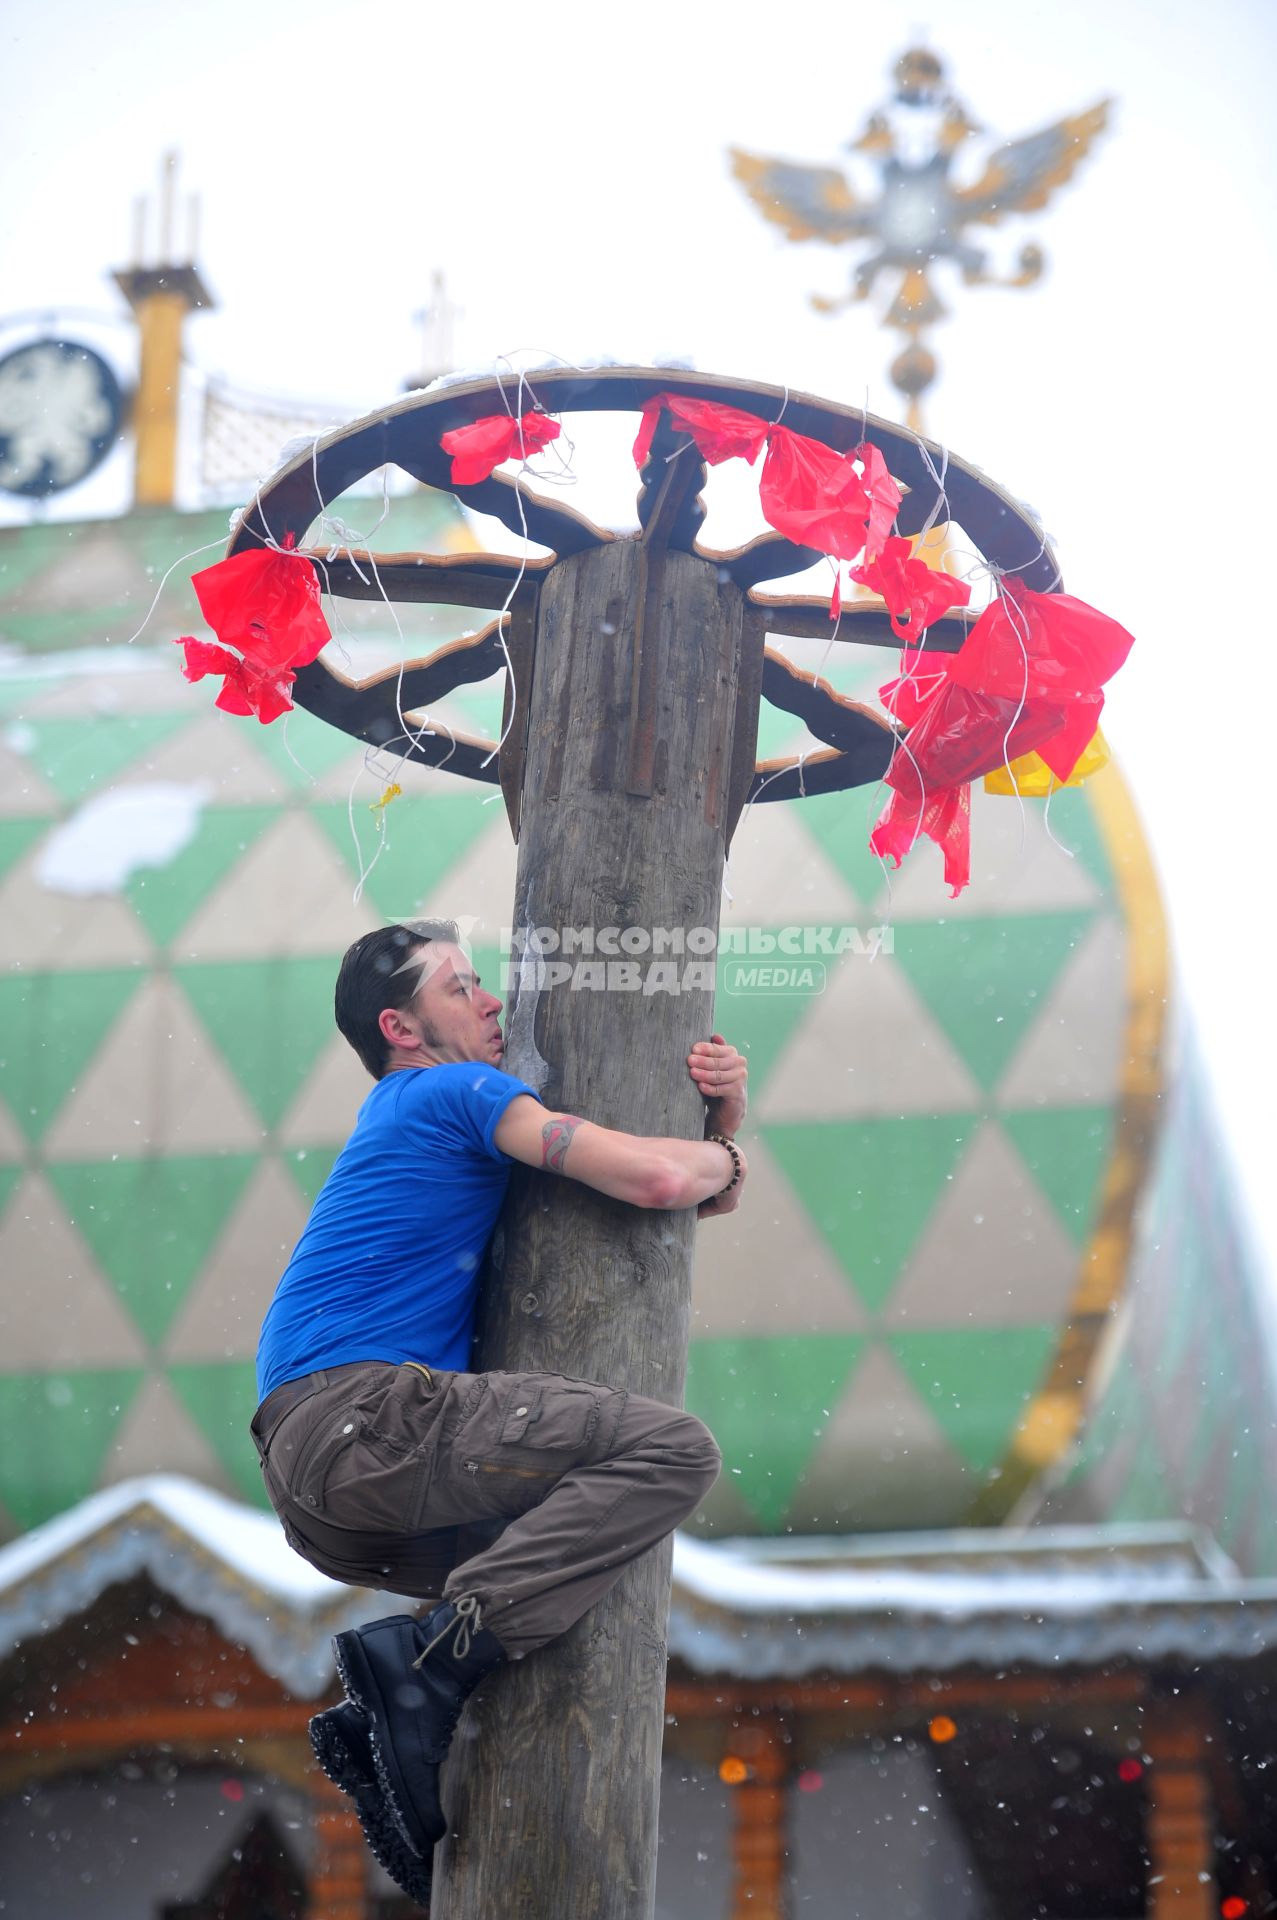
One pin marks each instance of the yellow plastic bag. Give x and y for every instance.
(1034, 779)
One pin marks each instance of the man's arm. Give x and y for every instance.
(645, 1171)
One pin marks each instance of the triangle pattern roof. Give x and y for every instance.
(809, 1292)
(310, 1167)
(328, 1099)
(976, 1380)
(157, 1083)
(269, 1019)
(158, 1435)
(290, 893)
(478, 891)
(406, 850)
(57, 1430)
(53, 1023)
(165, 898)
(108, 572)
(220, 1396)
(869, 1185)
(45, 930)
(760, 1023)
(98, 685)
(303, 750)
(990, 1254)
(22, 789)
(233, 769)
(840, 825)
(75, 759)
(779, 876)
(151, 1223)
(1066, 1149)
(222, 1313)
(899, 1063)
(1078, 1030)
(904, 1461)
(17, 837)
(769, 1402)
(59, 1308)
(986, 1004)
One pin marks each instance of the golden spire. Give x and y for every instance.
(161, 293)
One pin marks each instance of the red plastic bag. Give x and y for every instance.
(477, 451)
(882, 494)
(245, 690)
(813, 495)
(1041, 645)
(921, 677)
(915, 593)
(719, 433)
(266, 605)
(955, 735)
(962, 735)
(944, 817)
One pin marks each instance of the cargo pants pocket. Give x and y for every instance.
(524, 1434)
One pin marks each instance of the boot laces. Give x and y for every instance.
(466, 1622)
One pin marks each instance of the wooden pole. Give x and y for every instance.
(553, 1780)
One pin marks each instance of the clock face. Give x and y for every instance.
(60, 413)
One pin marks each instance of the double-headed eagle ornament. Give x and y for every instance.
(921, 213)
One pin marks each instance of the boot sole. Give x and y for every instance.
(361, 1687)
(343, 1767)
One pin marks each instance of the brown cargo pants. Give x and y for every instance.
(374, 1468)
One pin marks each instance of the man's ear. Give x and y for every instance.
(398, 1027)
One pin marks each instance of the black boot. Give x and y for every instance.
(412, 1678)
(344, 1751)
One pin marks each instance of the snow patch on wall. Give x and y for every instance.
(116, 834)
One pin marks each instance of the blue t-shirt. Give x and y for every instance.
(387, 1267)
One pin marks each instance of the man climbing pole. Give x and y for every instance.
(376, 1442)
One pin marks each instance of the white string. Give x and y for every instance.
(1051, 792)
(335, 533)
(194, 554)
(829, 644)
(1020, 627)
(790, 766)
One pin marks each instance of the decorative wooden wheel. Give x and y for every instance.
(857, 741)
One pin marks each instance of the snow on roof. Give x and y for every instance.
(1060, 1573)
(244, 1539)
(765, 1609)
(911, 1603)
(219, 1558)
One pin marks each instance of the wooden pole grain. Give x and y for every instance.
(553, 1782)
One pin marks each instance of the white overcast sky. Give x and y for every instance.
(565, 163)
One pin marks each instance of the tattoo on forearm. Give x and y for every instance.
(556, 1138)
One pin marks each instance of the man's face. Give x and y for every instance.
(459, 1020)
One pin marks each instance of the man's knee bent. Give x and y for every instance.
(690, 1447)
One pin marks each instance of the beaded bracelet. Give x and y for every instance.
(720, 1140)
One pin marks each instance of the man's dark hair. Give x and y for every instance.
(372, 977)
